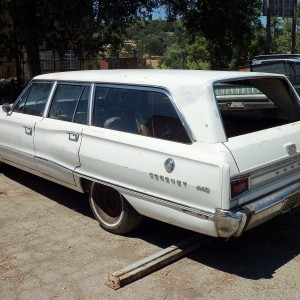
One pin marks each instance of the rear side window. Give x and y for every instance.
(33, 101)
(70, 103)
(140, 112)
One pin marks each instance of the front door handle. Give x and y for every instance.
(73, 136)
(28, 130)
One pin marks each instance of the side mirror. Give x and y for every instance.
(6, 107)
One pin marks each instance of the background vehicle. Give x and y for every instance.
(286, 64)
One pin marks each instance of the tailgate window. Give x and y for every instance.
(255, 104)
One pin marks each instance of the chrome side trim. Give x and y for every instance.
(17, 151)
(147, 197)
(53, 163)
(153, 199)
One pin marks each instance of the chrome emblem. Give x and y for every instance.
(290, 148)
(169, 165)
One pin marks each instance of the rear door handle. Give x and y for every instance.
(73, 136)
(28, 130)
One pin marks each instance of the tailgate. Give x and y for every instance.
(263, 148)
(268, 158)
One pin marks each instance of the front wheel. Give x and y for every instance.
(112, 210)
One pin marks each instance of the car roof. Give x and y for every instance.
(157, 77)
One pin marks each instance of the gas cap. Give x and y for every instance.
(169, 165)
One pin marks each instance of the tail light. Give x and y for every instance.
(239, 186)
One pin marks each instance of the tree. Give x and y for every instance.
(55, 25)
(281, 34)
(151, 37)
(81, 25)
(228, 26)
(174, 58)
(112, 18)
(198, 57)
(186, 52)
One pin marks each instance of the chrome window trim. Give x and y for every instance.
(157, 90)
(46, 110)
(76, 106)
(53, 163)
(91, 104)
(20, 96)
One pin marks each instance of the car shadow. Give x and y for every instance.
(259, 253)
(62, 195)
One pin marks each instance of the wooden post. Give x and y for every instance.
(155, 262)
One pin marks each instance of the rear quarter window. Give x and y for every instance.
(140, 112)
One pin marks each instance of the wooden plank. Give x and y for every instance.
(155, 262)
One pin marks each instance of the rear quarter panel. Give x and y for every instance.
(135, 164)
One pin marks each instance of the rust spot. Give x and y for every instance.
(206, 125)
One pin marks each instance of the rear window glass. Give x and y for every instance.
(256, 104)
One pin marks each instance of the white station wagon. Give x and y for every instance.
(212, 152)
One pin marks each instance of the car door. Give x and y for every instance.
(18, 126)
(58, 136)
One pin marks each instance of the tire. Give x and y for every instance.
(112, 210)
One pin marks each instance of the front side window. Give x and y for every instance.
(70, 103)
(139, 112)
(33, 101)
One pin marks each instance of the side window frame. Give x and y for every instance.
(146, 89)
(83, 85)
(87, 107)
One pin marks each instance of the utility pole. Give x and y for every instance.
(268, 45)
(294, 26)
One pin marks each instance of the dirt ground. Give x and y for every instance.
(51, 247)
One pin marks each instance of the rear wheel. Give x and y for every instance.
(112, 210)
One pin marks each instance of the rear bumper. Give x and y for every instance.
(234, 223)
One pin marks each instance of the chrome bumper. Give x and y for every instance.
(235, 222)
